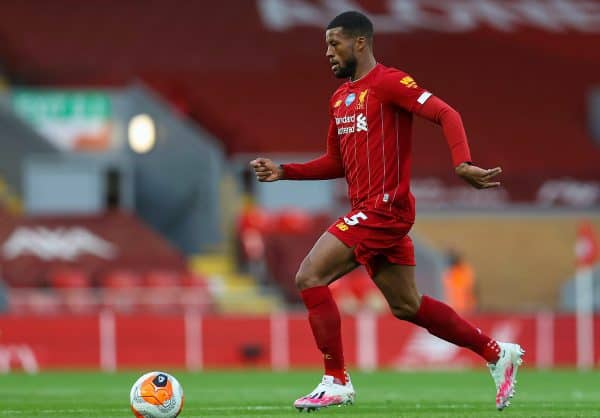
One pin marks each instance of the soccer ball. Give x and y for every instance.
(156, 395)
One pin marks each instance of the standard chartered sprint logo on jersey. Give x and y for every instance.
(351, 123)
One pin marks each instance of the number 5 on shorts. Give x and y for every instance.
(355, 219)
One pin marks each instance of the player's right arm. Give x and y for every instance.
(327, 166)
(266, 170)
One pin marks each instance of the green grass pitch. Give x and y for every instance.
(563, 393)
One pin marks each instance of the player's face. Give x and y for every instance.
(340, 53)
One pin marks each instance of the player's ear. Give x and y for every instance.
(361, 43)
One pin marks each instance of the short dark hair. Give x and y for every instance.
(353, 23)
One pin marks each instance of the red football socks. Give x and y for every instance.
(325, 322)
(443, 322)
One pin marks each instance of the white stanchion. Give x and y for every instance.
(366, 339)
(584, 307)
(108, 354)
(280, 350)
(193, 340)
(544, 331)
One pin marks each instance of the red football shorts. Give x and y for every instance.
(374, 235)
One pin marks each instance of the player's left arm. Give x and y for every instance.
(438, 111)
(403, 91)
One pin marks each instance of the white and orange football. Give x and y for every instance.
(156, 395)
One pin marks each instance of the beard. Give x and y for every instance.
(348, 70)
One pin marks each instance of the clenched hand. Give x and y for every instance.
(266, 170)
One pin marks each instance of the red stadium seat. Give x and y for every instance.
(161, 291)
(69, 278)
(80, 301)
(294, 221)
(121, 290)
(37, 301)
(74, 290)
(193, 280)
(195, 293)
(121, 279)
(161, 279)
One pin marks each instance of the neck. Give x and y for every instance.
(363, 67)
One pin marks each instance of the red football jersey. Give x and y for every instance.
(369, 141)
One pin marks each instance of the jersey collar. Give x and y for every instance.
(365, 79)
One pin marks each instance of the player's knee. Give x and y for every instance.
(405, 310)
(305, 280)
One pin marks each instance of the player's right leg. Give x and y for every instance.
(328, 260)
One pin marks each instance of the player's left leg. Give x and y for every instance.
(397, 283)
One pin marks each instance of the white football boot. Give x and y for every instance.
(327, 393)
(504, 373)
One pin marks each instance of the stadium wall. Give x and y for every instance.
(18, 142)
(108, 341)
(533, 252)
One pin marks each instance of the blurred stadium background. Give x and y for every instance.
(127, 210)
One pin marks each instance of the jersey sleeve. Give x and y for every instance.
(439, 112)
(327, 166)
(401, 90)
